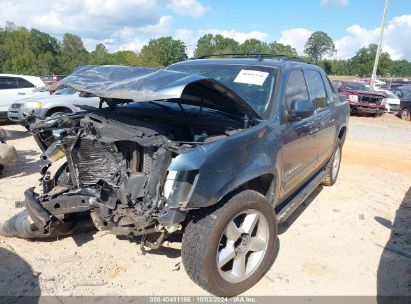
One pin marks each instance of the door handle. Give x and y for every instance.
(314, 131)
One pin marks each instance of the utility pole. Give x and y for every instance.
(377, 56)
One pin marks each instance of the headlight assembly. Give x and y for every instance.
(178, 187)
(353, 98)
(33, 105)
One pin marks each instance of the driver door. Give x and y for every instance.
(299, 137)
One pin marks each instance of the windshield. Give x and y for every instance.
(357, 86)
(65, 91)
(251, 83)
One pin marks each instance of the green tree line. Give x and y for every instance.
(24, 51)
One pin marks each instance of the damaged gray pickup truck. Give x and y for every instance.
(221, 150)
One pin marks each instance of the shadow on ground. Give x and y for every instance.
(17, 279)
(394, 270)
(17, 134)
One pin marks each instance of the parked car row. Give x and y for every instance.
(60, 102)
(13, 87)
(363, 99)
(22, 95)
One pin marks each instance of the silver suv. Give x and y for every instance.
(61, 102)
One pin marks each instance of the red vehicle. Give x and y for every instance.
(362, 99)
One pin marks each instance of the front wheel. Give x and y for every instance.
(227, 250)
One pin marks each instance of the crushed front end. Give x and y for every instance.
(114, 168)
(118, 181)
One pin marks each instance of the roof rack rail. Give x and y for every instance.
(259, 56)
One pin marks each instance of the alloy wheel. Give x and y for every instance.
(242, 246)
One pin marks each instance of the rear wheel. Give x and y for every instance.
(333, 166)
(228, 249)
(405, 114)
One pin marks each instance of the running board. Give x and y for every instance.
(293, 204)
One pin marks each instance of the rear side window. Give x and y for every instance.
(296, 88)
(23, 83)
(7, 83)
(317, 90)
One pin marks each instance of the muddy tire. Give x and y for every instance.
(405, 114)
(227, 249)
(333, 166)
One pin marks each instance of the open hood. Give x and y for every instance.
(145, 84)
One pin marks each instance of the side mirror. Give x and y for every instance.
(398, 94)
(300, 108)
(339, 90)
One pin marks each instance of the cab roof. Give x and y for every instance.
(263, 62)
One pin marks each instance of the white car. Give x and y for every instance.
(61, 102)
(13, 87)
(392, 102)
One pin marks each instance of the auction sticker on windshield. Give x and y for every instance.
(251, 77)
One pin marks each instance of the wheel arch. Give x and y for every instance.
(264, 183)
(56, 109)
(342, 133)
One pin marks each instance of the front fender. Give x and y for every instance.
(238, 181)
(227, 164)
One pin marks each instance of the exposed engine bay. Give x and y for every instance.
(117, 164)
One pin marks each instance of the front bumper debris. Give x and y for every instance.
(38, 214)
(8, 155)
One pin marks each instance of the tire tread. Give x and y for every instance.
(197, 233)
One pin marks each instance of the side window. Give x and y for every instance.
(317, 90)
(296, 88)
(7, 83)
(23, 83)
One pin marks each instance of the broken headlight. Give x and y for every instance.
(178, 187)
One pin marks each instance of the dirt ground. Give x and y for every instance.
(350, 239)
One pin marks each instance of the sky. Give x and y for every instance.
(129, 24)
